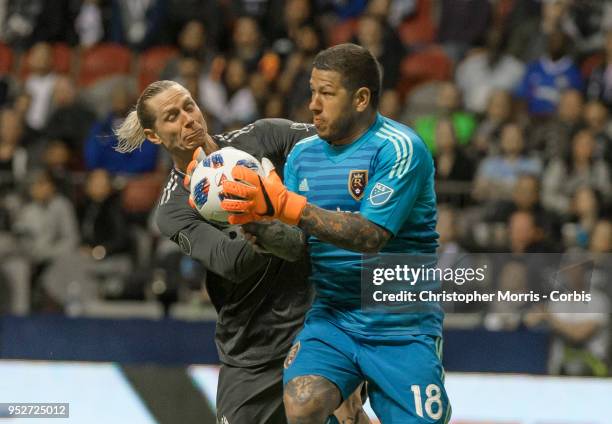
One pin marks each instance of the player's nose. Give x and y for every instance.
(315, 104)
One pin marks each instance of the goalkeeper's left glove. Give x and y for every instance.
(260, 198)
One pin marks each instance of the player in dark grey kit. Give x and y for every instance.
(261, 299)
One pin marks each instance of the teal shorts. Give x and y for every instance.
(404, 374)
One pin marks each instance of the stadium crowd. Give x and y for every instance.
(513, 98)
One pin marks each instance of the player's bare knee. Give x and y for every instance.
(310, 399)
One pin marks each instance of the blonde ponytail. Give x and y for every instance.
(130, 134)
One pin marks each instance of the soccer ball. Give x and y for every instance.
(207, 180)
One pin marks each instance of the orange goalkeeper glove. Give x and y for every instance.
(260, 198)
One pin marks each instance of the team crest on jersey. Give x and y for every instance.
(223, 420)
(291, 355)
(357, 181)
(380, 194)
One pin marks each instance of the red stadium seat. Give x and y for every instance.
(431, 64)
(590, 63)
(152, 62)
(104, 60)
(419, 28)
(62, 60)
(343, 32)
(6, 59)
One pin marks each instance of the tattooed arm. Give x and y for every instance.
(346, 230)
(282, 240)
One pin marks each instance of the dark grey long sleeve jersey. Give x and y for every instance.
(260, 300)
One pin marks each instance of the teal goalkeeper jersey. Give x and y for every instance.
(387, 176)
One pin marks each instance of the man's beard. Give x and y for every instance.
(341, 129)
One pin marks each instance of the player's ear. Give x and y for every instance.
(152, 136)
(361, 98)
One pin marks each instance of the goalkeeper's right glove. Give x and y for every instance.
(260, 198)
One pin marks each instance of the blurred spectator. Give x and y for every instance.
(393, 11)
(100, 144)
(383, 43)
(449, 106)
(600, 248)
(581, 329)
(39, 85)
(487, 134)
(599, 84)
(548, 76)
(283, 24)
(102, 261)
(229, 100)
(447, 228)
(13, 156)
(137, 23)
(71, 118)
(57, 160)
(525, 197)
(193, 44)
(532, 22)
(451, 163)
(585, 211)
(506, 315)
(552, 138)
(180, 13)
(46, 228)
(92, 22)
(247, 42)
(596, 118)
(526, 234)
(31, 21)
(483, 72)
(497, 174)
(563, 176)
(104, 229)
(293, 82)
(463, 24)
(586, 23)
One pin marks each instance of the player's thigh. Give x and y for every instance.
(406, 380)
(251, 394)
(333, 358)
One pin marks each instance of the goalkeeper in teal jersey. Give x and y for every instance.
(363, 184)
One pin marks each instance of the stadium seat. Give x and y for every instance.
(103, 60)
(152, 63)
(430, 64)
(6, 59)
(420, 27)
(62, 60)
(343, 32)
(590, 63)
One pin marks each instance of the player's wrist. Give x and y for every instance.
(293, 208)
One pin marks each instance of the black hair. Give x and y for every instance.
(357, 66)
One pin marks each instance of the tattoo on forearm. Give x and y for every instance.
(346, 230)
(282, 240)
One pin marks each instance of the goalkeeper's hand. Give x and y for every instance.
(198, 156)
(255, 198)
